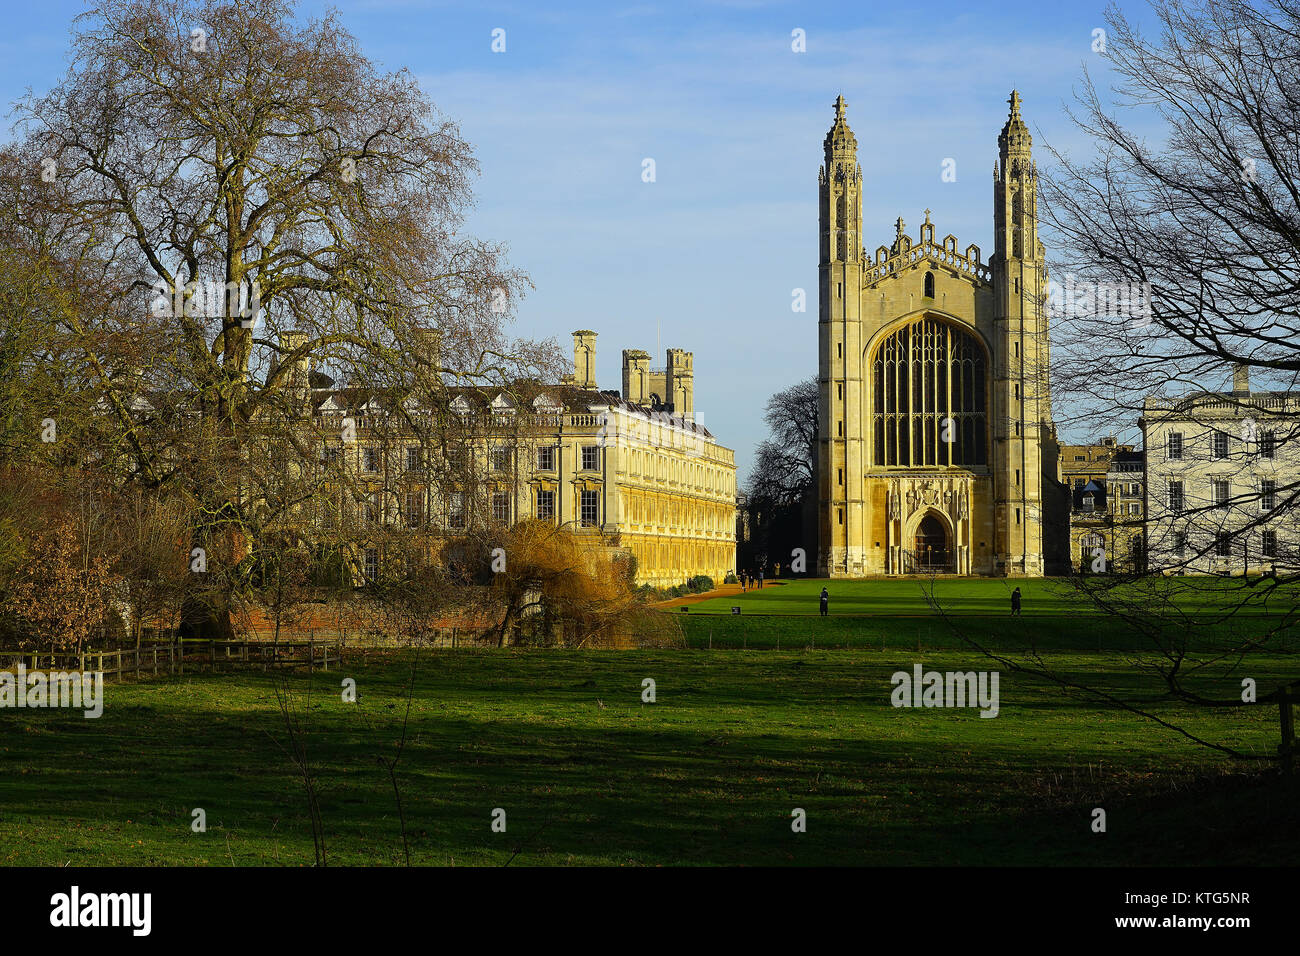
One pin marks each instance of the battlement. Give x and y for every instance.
(904, 255)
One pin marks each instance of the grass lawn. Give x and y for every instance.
(894, 613)
(587, 773)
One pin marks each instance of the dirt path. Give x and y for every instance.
(722, 590)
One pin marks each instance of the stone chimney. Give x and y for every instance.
(636, 376)
(681, 382)
(428, 347)
(1240, 378)
(297, 386)
(584, 358)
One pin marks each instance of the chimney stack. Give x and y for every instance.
(636, 376)
(584, 358)
(1240, 378)
(428, 348)
(681, 383)
(298, 384)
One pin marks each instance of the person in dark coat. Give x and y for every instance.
(826, 601)
(1015, 603)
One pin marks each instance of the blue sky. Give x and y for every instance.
(710, 252)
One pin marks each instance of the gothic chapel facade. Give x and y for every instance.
(937, 452)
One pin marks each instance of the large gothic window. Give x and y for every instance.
(923, 373)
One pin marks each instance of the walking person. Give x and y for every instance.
(1015, 603)
(826, 601)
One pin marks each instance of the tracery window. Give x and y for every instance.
(929, 382)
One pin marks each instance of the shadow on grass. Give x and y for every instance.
(708, 775)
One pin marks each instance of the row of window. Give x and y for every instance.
(499, 458)
(1221, 494)
(1130, 489)
(1220, 446)
(500, 504)
(702, 519)
(656, 465)
(1223, 542)
(1089, 503)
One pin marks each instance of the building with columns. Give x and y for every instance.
(937, 450)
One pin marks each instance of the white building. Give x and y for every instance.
(1223, 470)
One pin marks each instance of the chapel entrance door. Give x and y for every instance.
(932, 552)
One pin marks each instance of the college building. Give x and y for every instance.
(1221, 475)
(631, 470)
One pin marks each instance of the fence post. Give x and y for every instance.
(155, 659)
(1287, 748)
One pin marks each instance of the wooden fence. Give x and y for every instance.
(176, 657)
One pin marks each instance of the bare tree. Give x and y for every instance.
(785, 465)
(1177, 260)
(783, 477)
(257, 200)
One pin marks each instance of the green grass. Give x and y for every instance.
(899, 597)
(895, 614)
(707, 775)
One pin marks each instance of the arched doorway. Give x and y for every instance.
(931, 550)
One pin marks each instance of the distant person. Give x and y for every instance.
(760, 579)
(1015, 603)
(826, 601)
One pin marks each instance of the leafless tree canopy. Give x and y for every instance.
(1176, 259)
(216, 196)
(1190, 205)
(785, 463)
(1194, 188)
